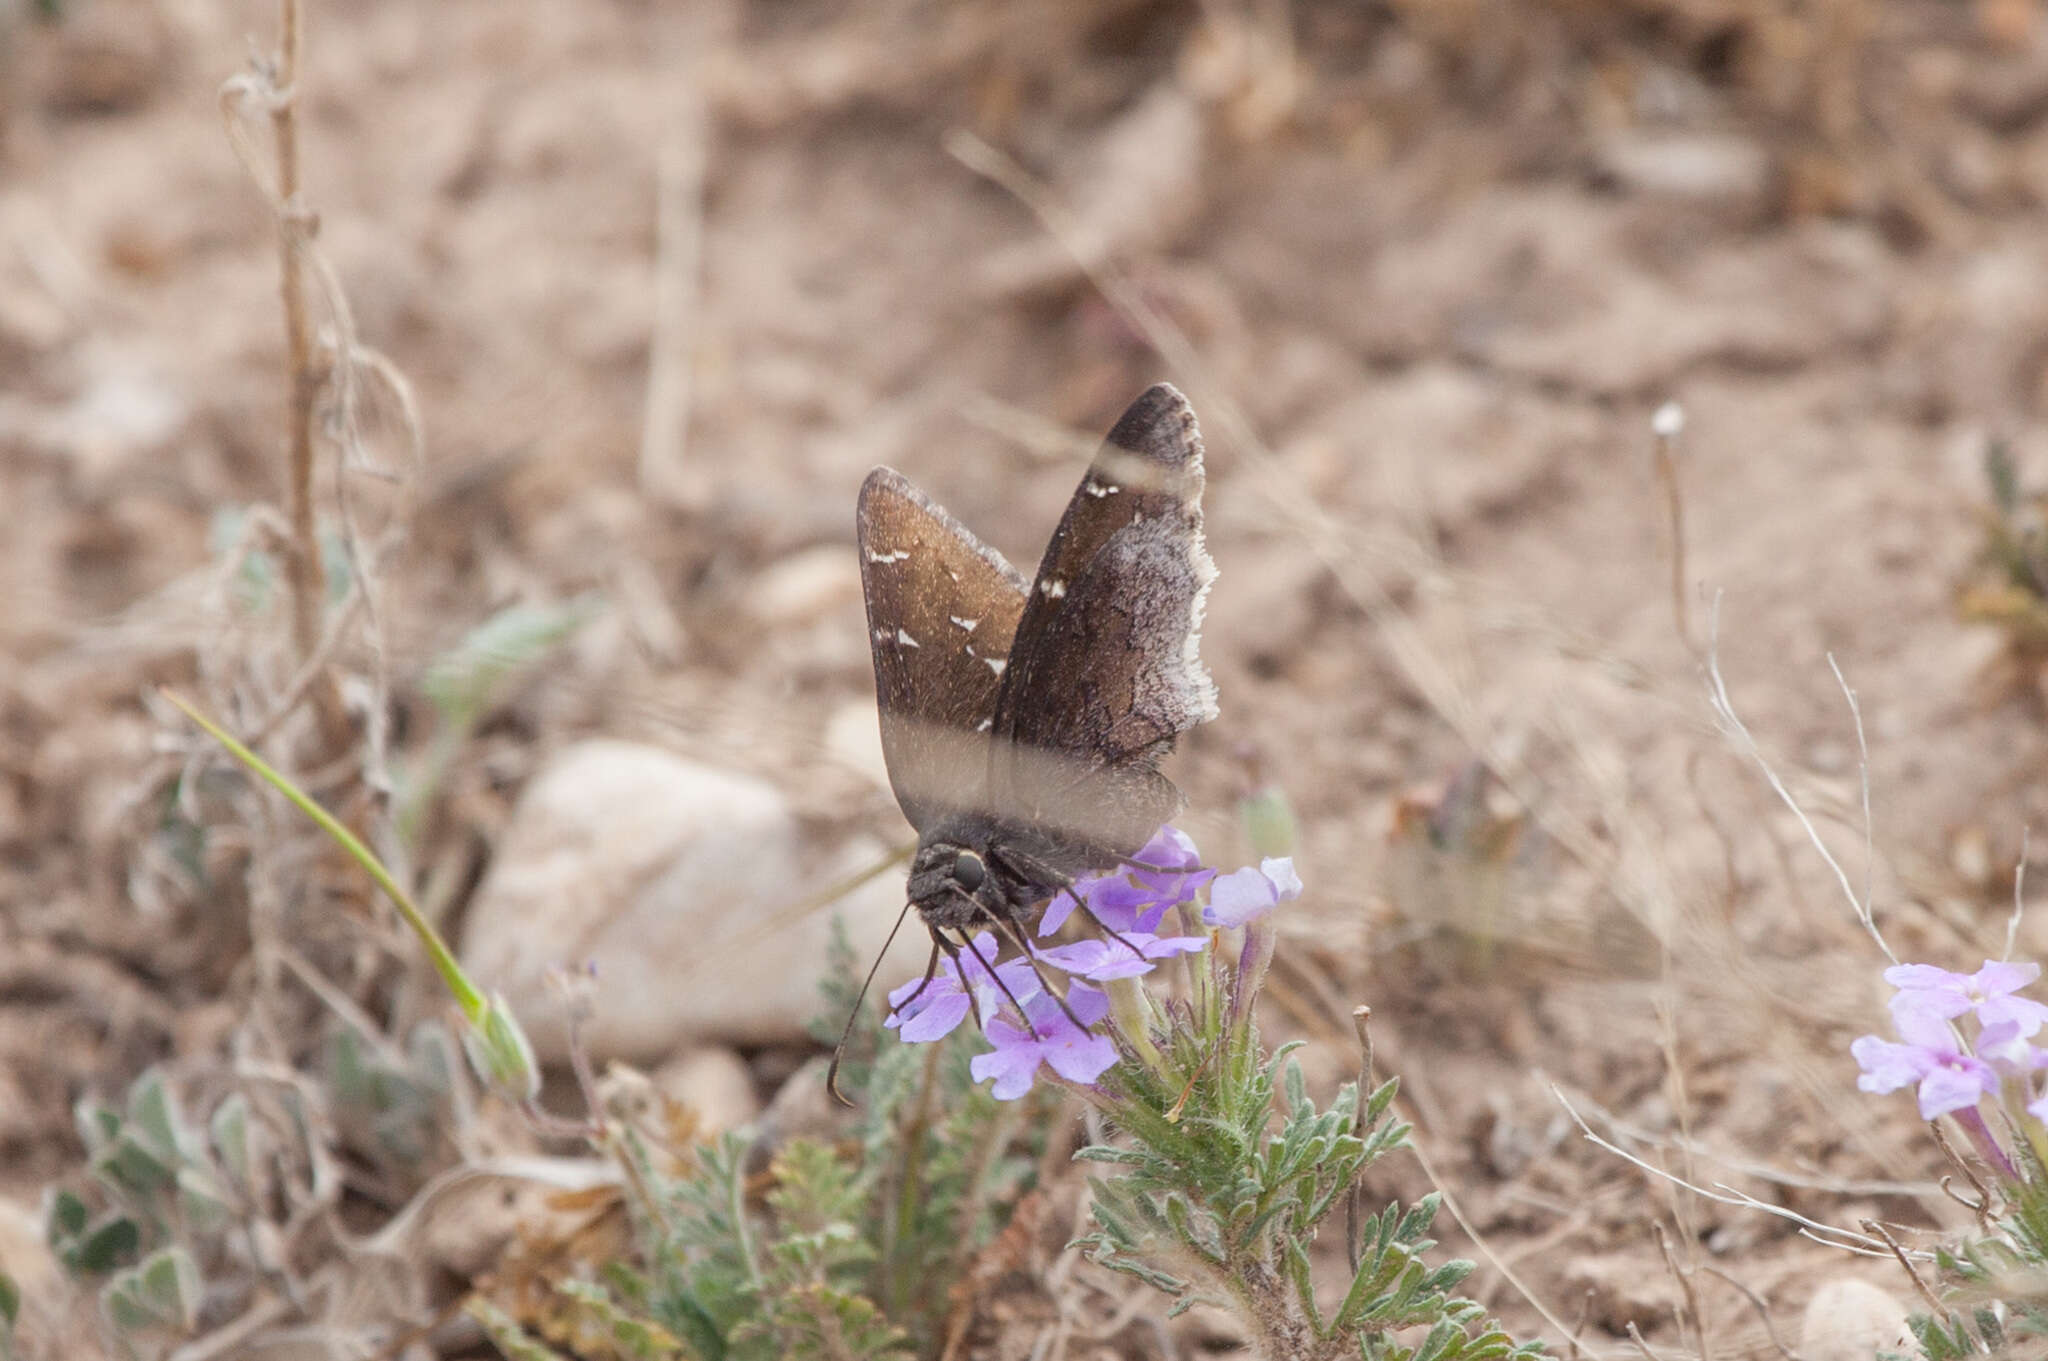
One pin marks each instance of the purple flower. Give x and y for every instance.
(1073, 1051)
(2006, 1049)
(1949, 1079)
(1134, 898)
(1103, 960)
(1242, 895)
(1988, 992)
(942, 1005)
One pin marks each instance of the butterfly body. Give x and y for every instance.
(1023, 722)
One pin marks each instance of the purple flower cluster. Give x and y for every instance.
(1062, 1032)
(1953, 1074)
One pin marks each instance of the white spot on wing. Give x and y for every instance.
(903, 638)
(897, 556)
(985, 725)
(968, 624)
(996, 664)
(1098, 490)
(1052, 588)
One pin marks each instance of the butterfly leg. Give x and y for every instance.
(988, 967)
(1040, 872)
(1009, 929)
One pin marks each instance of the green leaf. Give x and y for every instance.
(121, 1300)
(97, 1124)
(202, 1201)
(105, 1248)
(10, 1300)
(636, 1337)
(505, 1333)
(469, 677)
(154, 1111)
(1295, 1257)
(132, 1164)
(170, 1284)
(67, 1216)
(229, 1131)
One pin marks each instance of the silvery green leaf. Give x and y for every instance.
(229, 1128)
(202, 1201)
(466, 679)
(97, 1124)
(154, 1112)
(170, 1284)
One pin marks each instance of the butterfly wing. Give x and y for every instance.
(942, 614)
(1105, 671)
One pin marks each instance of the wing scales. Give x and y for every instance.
(943, 609)
(1105, 671)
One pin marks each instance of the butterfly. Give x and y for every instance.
(1023, 722)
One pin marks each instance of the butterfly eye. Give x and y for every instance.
(968, 871)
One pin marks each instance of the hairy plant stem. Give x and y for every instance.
(294, 226)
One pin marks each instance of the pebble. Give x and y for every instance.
(716, 1086)
(1852, 1320)
(670, 879)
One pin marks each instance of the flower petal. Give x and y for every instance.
(1998, 977)
(1280, 869)
(1080, 1056)
(1238, 897)
(1887, 1066)
(1062, 906)
(1954, 1087)
(2022, 1012)
(936, 1021)
(1012, 1069)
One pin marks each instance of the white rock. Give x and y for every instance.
(806, 585)
(1696, 166)
(45, 1294)
(681, 883)
(1852, 1320)
(716, 1086)
(853, 734)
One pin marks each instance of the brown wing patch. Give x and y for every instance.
(1106, 670)
(942, 609)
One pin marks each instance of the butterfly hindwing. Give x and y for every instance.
(1105, 670)
(942, 610)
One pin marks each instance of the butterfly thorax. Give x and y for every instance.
(974, 870)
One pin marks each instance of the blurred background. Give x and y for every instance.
(650, 287)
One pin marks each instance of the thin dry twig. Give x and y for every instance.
(1746, 745)
(1840, 1186)
(1726, 1195)
(1879, 1231)
(1687, 1288)
(679, 237)
(1756, 1302)
(1666, 425)
(1361, 1020)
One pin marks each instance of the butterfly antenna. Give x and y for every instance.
(839, 1050)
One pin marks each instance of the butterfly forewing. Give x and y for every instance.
(942, 613)
(1105, 671)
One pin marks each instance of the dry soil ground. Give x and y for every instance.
(1426, 270)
